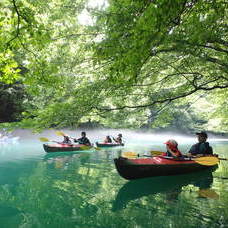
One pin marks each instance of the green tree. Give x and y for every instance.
(135, 58)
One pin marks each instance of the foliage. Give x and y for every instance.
(134, 58)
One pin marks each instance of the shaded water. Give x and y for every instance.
(84, 189)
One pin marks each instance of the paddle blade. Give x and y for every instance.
(43, 139)
(208, 193)
(208, 161)
(156, 153)
(60, 133)
(85, 147)
(97, 148)
(129, 155)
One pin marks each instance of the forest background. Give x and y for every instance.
(136, 64)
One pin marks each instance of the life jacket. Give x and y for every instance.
(196, 149)
(174, 150)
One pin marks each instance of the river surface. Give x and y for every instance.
(84, 190)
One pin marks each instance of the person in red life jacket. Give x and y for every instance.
(108, 139)
(172, 149)
(66, 140)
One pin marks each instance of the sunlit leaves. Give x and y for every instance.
(135, 55)
(9, 70)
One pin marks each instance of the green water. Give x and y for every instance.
(84, 190)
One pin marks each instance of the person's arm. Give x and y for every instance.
(88, 142)
(207, 148)
(80, 141)
(192, 151)
(210, 150)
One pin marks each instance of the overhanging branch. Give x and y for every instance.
(168, 99)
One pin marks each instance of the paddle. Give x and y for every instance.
(208, 193)
(152, 152)
(130, 155)
(207, 160)
(225, 159)
(43, 139)
(60, 133)
(156, 153)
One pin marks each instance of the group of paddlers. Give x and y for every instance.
(117, 140)
(201, 148)
(85, 141)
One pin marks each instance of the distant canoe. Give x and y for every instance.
(63, 147)
(135, 168)
(109, 144)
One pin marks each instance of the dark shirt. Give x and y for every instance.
(201, 148)
(118, 140)
(83, 140)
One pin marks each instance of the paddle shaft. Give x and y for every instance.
(225, 159)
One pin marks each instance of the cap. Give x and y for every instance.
(120, 135)
(203, 133)
(171, 142)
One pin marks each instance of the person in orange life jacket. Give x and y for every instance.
(118, 139)
(108, 139)
(66, 140)
(202, 147)
(83, 140)
(172, 149)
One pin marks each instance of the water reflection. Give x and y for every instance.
(171, 186)
(62, 160)
(83, 189)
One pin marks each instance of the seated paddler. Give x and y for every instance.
(66, 140)
(201, 148)
(83, 140)
(172, 149)
(108, 139)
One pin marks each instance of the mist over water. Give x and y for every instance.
(83, 189)
(132, 139)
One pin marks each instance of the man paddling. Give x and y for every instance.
(202, 147)
(83, 140)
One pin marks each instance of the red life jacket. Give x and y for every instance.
(175, 150)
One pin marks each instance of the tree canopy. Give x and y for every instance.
(150, 61)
